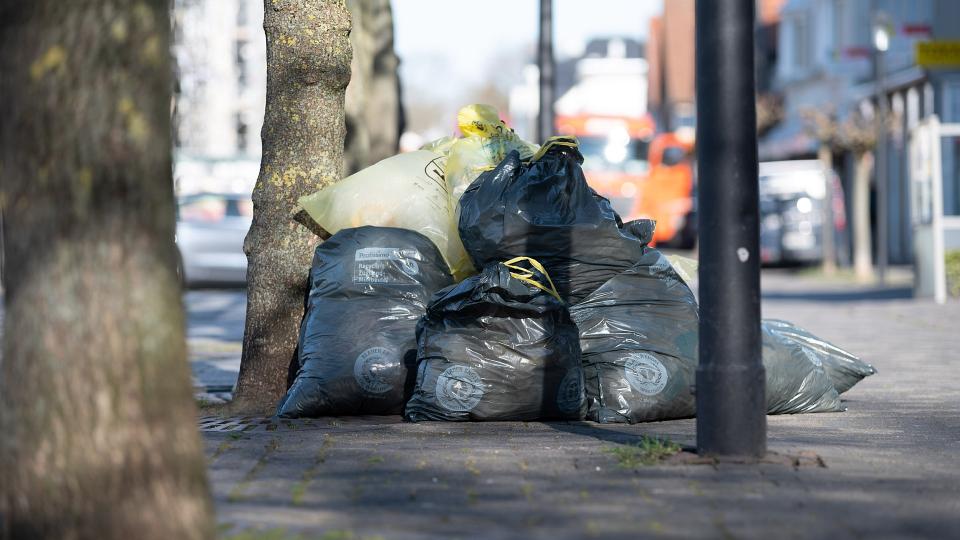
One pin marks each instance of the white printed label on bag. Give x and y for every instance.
(570, 392)
(373, 265)
(459, 388)
(374, 369)
(645, 373)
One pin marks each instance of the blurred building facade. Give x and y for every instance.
(608, 79)
(671, 58)
(826, 61)
(220, 51)
(670, 55)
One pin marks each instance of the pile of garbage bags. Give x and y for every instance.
(481, 278)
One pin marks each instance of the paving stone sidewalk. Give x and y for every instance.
(891, 459)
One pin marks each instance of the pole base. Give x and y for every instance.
(731, 412)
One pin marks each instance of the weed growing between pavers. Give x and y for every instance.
(225, 445)
(471, 496)
(527, 489)
(237, 492)
(221, 448)
(300, 488)
(648, 451)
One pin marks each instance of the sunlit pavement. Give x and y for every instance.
(891, 459)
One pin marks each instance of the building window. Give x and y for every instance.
(801, 42)
(241, 13)
(839, 27)
(241, 134)
(240, 59)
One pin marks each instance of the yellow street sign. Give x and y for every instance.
(934, 54)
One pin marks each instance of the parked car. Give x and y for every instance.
(211, 228)
(792, 199)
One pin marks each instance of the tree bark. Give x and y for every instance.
(862, 252)
(829, 262)
(373, 108)
(98, 436)
(308, 68)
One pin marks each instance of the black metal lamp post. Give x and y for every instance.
(881, 42)
(731, 408)
(545, 62)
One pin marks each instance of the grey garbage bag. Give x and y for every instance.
(544, 209)
(639, 340)
(368, 288)
(638, 335)
(498, 347)
(796, 380)
(844, 369)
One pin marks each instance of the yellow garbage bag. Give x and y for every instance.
(685, 267)
(486, 141)
(408, 191)
(441, 145)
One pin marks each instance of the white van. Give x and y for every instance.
(792, 199)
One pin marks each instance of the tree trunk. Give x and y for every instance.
(98, 436)
(862, 252)
(373, 108)
(308, 68)
(384, 111)
(829, 263)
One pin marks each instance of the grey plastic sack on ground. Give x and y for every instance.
(796, 380)
(369, 287)
(639, 340)
(545, 210)
(844, 369)
(638, 335)
(494, 347)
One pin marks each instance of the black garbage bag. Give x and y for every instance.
(498, 347)
(368, 288)
(545, 210)
(844, 369)
(639, 339)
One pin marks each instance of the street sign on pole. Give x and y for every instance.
(938, 54)
(731, 408)
(545, 63)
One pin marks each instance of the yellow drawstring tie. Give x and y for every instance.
(561, 140)
(527, 276)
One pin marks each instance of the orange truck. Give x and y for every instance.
(644, 175)
(668, 192)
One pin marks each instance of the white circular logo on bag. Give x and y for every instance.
(459, 388)
(570, 392)
(410, 267)
(374, 369)
(645, 373)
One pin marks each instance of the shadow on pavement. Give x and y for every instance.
(856, 295)
(606, 432)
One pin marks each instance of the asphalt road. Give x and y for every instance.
(214, 336)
